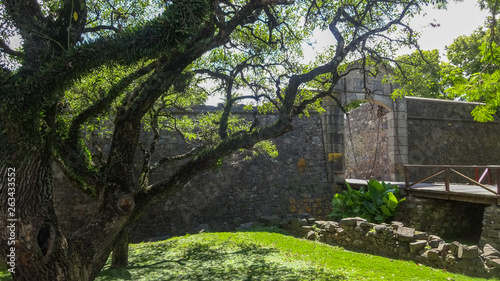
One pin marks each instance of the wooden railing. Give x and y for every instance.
(448, 169)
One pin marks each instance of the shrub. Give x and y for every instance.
(377, 203)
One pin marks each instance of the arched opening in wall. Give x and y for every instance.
(366, 130)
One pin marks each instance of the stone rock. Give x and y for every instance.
(321, 224)
(489, 251)
(450, 258)
(311, 220)
(419, 235)
(456, 248)
(434, 241)
(332, 227)
(381, 228)
(350, 221)
(405, 234)
(270, 220)
(396, 224)
(443, 247)
(470, 252)
(415, 247)
(357, 243)
(365, 224)
(433, 255)
(493, 263)
(311, 235)
(296, 223)
(306, 228)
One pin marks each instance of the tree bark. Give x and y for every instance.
(120, 251)
(34, 243)
(31, 237)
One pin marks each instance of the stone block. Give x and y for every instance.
(493, 262)
(489, 251)
(434, 241)
(350, 221)
(381, 228)
(419, 235)
(433, 255)
(456, 248)
(470, 252)
(396, 224)
(405, 234)
(415, 247)
(311, 235)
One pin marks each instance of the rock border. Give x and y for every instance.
(398, 241)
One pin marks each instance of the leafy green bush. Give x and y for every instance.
(377, 203)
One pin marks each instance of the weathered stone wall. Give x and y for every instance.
(449, 219)
(366, 143)
(243, 190)
(491, 227)
(239, 191)
(396, 240)
(444, 132)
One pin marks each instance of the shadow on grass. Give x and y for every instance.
(224, 260)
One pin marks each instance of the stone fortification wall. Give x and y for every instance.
(366, 143)
(444, 132)
(401, 242)
(238, 192)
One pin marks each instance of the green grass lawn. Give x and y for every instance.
(261, 255)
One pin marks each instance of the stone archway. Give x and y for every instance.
(351, 88)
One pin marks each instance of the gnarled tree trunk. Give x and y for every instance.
(31, 238)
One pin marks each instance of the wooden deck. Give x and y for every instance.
(458, 192)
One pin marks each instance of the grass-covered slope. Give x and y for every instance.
(259, 255)
(262, 255)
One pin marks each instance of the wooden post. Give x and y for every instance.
(407, 176)
(447, 178)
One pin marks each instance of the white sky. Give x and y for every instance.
(460, 18)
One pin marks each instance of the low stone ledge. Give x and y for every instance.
(400, 242)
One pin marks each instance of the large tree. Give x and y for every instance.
(147, 56)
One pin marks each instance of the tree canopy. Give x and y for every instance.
(471, 73)
(120, 66)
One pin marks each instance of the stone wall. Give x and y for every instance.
(430, 132)
(366, 143)
(444, 132)
(238, 192)
(491, 227)
(449, 219)
(401, 242)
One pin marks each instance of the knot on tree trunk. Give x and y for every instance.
(126, 203)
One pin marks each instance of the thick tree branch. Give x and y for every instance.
(340, 54)
(105, 102)
(203, 161)
(101, 27)
(6, 49)
(26, 14)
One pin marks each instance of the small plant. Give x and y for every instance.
(377, 203)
